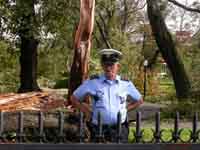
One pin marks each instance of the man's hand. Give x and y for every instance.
(134, 105)
(83, 107)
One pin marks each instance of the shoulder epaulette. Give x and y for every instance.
(95, 76)
(124, 78)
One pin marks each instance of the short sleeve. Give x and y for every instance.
(133, 92)
(82, 90)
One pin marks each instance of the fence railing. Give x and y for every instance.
(39, 133)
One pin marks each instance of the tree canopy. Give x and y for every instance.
(123, 25)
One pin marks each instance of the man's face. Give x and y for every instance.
(111, 70)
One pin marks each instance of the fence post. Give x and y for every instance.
(61, 127)
(176, 128)
(81, 128)
(100, 130)
(138, 124)
(194, 128)
(1, 126)
(41, 127)
(20, 132)
(119, 127)
(157, 127)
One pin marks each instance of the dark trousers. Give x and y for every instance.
(109, 133)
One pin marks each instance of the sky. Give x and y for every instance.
(190, 23)
(188, 1)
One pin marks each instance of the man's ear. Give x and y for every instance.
(119, 66)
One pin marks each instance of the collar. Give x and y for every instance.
(103, 78)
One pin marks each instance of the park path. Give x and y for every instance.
(148, 111)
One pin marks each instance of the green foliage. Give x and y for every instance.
(94, 63)
(55, 26)
(185, 107)
(195, 68)
(9, 74)
(58, 19)
(52, 65)
(190, 54)
(62, 82)
(55, 30)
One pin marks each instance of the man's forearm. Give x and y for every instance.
(84, 107)
(134, 105)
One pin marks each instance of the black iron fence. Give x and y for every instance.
(22, 136)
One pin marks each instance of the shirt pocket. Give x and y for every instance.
(122, 98)
(99, 99)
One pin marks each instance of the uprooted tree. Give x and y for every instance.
(82, 45)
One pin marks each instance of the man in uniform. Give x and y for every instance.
(109, 92)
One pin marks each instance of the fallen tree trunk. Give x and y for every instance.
(33, 125)
(38, 101)
(37, 110)
(31, 104)
(31, 119)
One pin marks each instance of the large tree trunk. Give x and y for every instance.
(28, 47)
(28, 61)
(82, 45)
(168, 49)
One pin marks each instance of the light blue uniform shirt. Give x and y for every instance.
(108, 97)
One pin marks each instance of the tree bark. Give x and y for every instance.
(28, 62)
(28, 47)
(82, 45)
(168, 50)
(103, 36)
